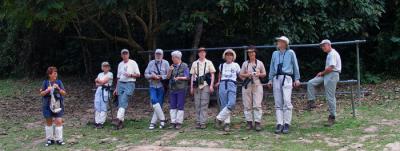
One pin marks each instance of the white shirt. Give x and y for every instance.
(333, 59)
(230, 71)
(130, 67)
(102, 76)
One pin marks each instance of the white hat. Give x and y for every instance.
(124, 50)
(159, 51)
(229, 51)
(105, 63)
(284, 38)
(325, 41)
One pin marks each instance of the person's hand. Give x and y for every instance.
(115, 93)
(56, 86)
(191, 91)
(296, 83)
(176, 78)
(216, 84)
(320, 74)
(211, 89)
(171, 67)
(269, 84)
(135, 75)
(48, 90)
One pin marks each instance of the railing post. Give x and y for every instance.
(358, 73)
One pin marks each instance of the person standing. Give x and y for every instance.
(252, 90)
(283, 70)
(128, 71)
(202, 84)
(329, 77)
(156, 74)
(227, 87)
(53, 93)
(178, 75)
(103, 82)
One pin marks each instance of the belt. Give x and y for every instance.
(227, 81)
(127, 81)
(284, 77)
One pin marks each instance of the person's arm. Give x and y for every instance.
(44, 90)
(192, 72)
(271, 68)
(169, 73)
(60, 87)
(186, 74)
(243, 73)
(262, 73)
(296, 70)
(331, 66)
(164, 74)
(136, 70)
(147, 73)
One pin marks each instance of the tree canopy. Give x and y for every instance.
(76, 35)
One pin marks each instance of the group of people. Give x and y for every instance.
(200, 80)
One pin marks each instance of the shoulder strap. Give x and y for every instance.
(158, 70)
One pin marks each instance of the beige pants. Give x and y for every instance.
(252, 98)
(201, 101)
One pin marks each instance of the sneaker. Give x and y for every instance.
(152, 126)
(278, 129)
(162, 124)
(60, 142)
(49, 142)
(285, 129)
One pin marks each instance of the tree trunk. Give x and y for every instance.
(196, 39)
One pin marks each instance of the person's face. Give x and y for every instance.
(53, 76)
(158, 56)
(105, 68)
(326, 47)
(281, 44)
(125, 56)
(251, 54)
(229, 57)
(175, 60)
(202, 54)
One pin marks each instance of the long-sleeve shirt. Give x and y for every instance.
(289, 60)
(151, 69)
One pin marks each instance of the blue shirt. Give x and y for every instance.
(163, 67)
(289, 60)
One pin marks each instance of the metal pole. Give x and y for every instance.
(352, 102)
(358, 73)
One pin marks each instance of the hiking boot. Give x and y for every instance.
(278, 129)
(118, 124)
(100, 126)
(285, 129)
(258, 126)
(49, 142)
(203, 126)
(311, 105)
(198, 126)
(249, 125)
(227, 128)
(178, 126)
(218, 123)
(171, 126)
(331, 121)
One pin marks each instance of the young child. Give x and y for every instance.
(229, 72)
(53, 93)
(103, 82)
